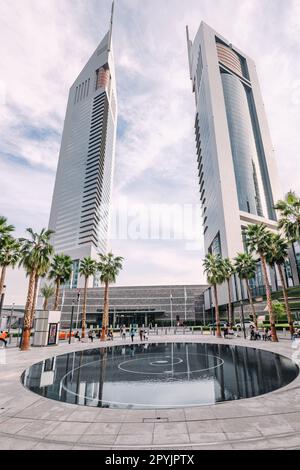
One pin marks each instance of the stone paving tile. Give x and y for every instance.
(38, 428)
(133, 440)
(68, 439)
(236, 425)
(136, 428)
(13, 425)
(84, 415)
(68, 430)
(171, 415)
(111, 416)
(52, 446)
(97, 439)
(199, 413)
(9, 443)
(213, 438)
(293, 419)
(269, 425)
(204, 426)
(236, 436)
(285, 442)
(213, 447)
(138, 416)
(252, 445)
(167, 438)
(105, 428)
(170, 428)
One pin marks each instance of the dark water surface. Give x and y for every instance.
(159, 375)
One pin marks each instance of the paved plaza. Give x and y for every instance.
(29, 421)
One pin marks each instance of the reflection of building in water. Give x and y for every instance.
(137, 305)
(181, 374)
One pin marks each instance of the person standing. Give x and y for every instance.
(91, 335)
(124, 332)
(141, 334)
(132, 333)
(77, 336)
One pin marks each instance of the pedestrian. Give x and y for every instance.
(141, 334)
(91, 335)
(132, 333)
(145, 335)
(77, 336)
(124, 332)
(3, 336)
(225, 331)
(110, 334)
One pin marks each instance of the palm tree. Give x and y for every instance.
(47, 291)
(109, 267)
(213, 267)
(277, 255)
(258, 239)
(245, 266)
(87, 268)
(36, 251)
(228, 270)
(289, 221)
(41, 272)
(60, 272)
(9, 256)
(5, 229)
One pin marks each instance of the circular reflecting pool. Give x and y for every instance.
(159, 375)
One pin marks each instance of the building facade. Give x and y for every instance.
(238, 178)
(141, 305)
(80, 206)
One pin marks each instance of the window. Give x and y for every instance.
(215, 247)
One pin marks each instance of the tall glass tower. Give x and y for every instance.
(80, 206)
(237, 170)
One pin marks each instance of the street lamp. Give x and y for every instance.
(71, 324)
(2, 299)
(242, 307)
(212, 311)
(10, 319)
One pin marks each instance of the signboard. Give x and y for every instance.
(52, 334)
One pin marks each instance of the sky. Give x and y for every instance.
(44, 44)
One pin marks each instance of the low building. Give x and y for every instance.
(142, 305)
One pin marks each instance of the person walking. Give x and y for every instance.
(3, 336)
(132, 333)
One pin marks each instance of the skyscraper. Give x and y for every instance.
(80, 206)
(237, 170)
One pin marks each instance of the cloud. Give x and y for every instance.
(45, 44)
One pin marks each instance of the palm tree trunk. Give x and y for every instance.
(84, 307)
(56, 294)
(2, 278)
(217, 311)
(25, 345)
(229, 304)
(286, 300)
(45, 304)
(251, 302)
(35, 291)
(105, 316)
(269, 299)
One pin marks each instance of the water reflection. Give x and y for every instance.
(159, 375)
